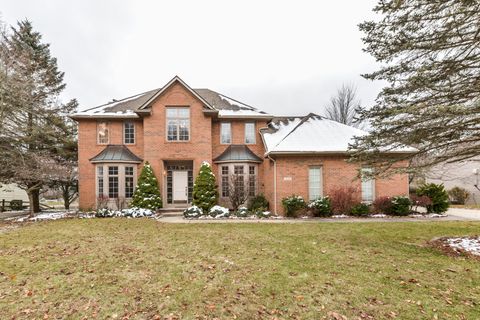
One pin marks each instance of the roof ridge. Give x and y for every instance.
(221, 94)
(115, 101)
(304, 119)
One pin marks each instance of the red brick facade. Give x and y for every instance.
(204, 145)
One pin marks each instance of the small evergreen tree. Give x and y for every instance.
(147, 194)
(205, 193)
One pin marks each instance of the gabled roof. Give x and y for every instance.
(311, 134)
(237, 153)
(214, 102)
(168, 85)
(116, 153)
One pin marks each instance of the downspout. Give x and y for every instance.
(274, 183)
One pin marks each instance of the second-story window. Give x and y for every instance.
(250, 133)
(225, 133)
(129, 132)
(178, 124)
(102, 133)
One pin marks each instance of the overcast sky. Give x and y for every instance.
(284, 57)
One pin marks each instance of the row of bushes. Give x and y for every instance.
(125, 213)
(219, 212)
(345, 201)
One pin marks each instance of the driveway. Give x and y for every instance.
(464, 214)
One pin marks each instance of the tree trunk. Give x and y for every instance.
(66, 197)
(34, 200)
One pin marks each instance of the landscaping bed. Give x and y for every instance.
(458, 246)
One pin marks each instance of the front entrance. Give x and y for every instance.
(178, 183)
(180, 186)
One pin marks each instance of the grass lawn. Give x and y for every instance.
(142, 269)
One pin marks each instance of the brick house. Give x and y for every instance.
(176, 128)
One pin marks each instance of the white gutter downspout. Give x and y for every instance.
(274, 183)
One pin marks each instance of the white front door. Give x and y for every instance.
(180, 186)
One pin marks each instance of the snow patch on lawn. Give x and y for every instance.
(470, 245)
(45, 216)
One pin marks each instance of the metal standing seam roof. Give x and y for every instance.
(116, 153)
(237, 153)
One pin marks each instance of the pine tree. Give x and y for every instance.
(147, 195)
(429, 53)
(205, 193)
(32, 119)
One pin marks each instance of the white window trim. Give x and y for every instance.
(121, 178)
(221, 130)
(254, 132)
(108, 132)
(246, 173)
(321, 182)
(372, 182)
(178, 118)
(134, 133)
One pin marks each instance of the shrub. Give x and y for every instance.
(137, 213)
(219, 212)
(258, 203)
(400, 206)
(382, 205)
(292, 205)
(147, 195)
(343, 199)
(419, 201)
(16, 205)
(105, 213)
(438, 195)
(192, 212)
(458, 195)
(126, 213)
(263, 214)
(360, 210)
(242, 212)
(321, 207)
(205, 193)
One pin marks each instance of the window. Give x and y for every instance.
(102, 133)
(250, 133)
(368, 185)
(116, 180)
(113, 182)
(178, 124)
(225, 186)
(129, 186)
(100, 181)
(252, 181)
(225, 133)
(129, 132)
(242, 175)
(314, 183)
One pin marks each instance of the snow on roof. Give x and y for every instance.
(311, 133)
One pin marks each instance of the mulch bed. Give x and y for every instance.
(456, 246)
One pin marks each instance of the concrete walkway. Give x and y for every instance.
(453, 214)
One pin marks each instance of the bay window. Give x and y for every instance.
(178, 124)
(243, 175)
(116, 181)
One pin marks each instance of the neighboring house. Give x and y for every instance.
(464, 174)
(176, 128)
(11, 191)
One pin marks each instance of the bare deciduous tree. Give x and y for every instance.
(344, 106)
(238, 190)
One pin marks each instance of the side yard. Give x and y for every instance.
(140, 268)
